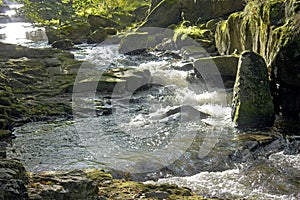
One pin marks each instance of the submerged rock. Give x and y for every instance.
(252, 100)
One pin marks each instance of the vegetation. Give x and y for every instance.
(64, 11)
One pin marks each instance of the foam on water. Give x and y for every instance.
(231, 184)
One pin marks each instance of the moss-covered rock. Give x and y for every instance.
(96, 184)
(252, 100)
(270, 28)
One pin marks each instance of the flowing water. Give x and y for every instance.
(207, 155)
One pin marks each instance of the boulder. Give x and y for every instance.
(13, 178)
(62, 185)
(124, 19)
(117, 80)
(65, 44)
(204, 10)
(140, 13)
(76, 32)
(252, 100)
(165, 13)
(111, 31)
(135, 42)
(227, 66)
(97, 36)
(286, 74)
(97, 21)
(270, 28)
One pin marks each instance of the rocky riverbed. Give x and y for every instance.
(136, 97)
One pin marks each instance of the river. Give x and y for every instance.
(207, 155)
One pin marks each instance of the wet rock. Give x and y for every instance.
(183, 66)
(227, 66)
(62, 185)
(13, 178)
(118, 80)
(65, 44)
(133, 42)
(187, 112)
(252, 100)
(13, 189)
(97, 21)
(10, 51)
(12, 169)
(97, 36)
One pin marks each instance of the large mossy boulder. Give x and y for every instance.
(270, 28)
(252, 100)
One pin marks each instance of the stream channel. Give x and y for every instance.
(207, 155)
